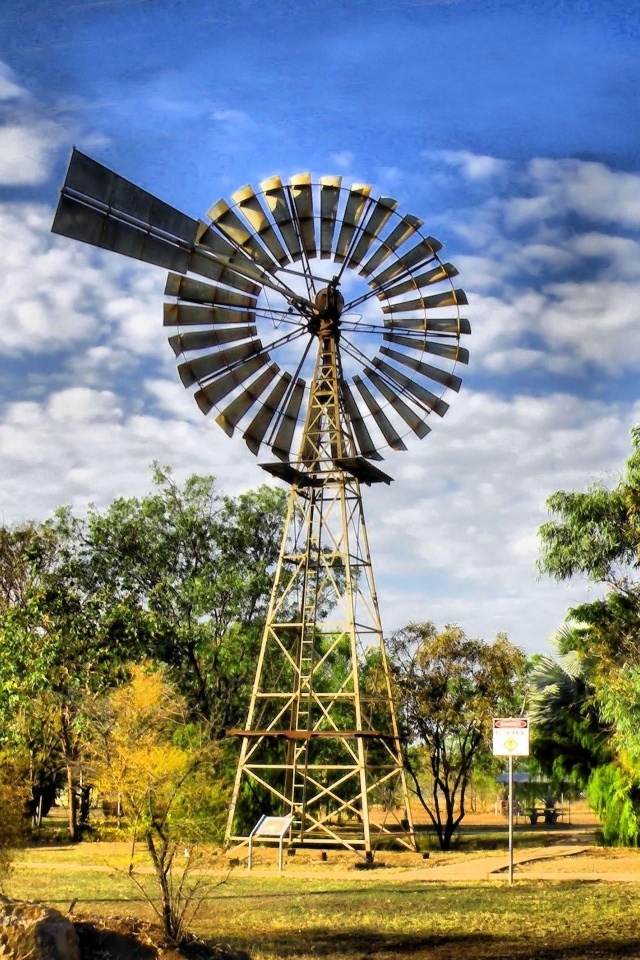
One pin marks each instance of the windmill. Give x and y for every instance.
(320, 323)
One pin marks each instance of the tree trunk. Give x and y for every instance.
(159, 859)
(85, 804)
(66, 738)
(73, 803)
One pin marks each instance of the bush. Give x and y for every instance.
(614, 793)
(13, 814)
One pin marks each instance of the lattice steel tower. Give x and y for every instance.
(321, 738)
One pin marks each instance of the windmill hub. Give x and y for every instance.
(328, 307)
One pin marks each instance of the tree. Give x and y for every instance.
(28, 730)
(54, 658)
(166, 771)
(185, 577)
(569, 737)
(449, 688)
(597, 535)
(181, 576)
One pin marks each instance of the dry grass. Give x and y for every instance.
(356, 915)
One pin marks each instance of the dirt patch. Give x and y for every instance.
(596, 860)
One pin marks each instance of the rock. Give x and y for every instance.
(31, 931)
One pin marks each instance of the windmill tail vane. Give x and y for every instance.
(316, 318)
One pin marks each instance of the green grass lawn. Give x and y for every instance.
(368, 916)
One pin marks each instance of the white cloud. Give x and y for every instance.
(594, 322)
(9, 87)
(81, 445)
(474, 166)
(232, 115)
(590, 190)
(56, 293)
(28, 141)
(83, 405)
(343, 160)
(26, 152)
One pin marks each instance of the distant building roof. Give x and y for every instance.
(521, 778)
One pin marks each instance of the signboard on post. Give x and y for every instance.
(270, 829)
(511, 737)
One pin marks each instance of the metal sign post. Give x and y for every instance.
(510, 819)
(511, 739)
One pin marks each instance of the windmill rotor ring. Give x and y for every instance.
(292, 253)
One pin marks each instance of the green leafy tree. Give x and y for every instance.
(449, 687)
(26, 726)
(54, 659)
(184, 575)
(570, 739)
(597, 535)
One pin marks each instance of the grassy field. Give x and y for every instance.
(369, 915)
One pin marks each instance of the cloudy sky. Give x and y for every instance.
(512, 128)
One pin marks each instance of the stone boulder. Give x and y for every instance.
(30, 931)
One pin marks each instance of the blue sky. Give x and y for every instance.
(511, 128)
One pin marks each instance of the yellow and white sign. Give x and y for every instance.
(511, 737)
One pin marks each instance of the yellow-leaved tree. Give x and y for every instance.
(165, 771)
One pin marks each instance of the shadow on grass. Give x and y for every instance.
(476, 946)
(97, 942)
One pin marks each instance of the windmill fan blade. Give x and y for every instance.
(353, 211)
(252, 210)
(385, 426)
(449, 298)
(229, 237)
(191, 314)
(365, 443)
(282, 443)
(407, 226)
(197, 291)
(232, 414)
(329, 198)
(233, 258)
(205, 266)
(303, 203)
(382, 210)
(443, 271)
(254, 434)
(453, 325)
(214, 392)
(203, 367)
(432, 373)
(229, 224)
(276, 199)
(420, 393)
(202, 339)
(423, 251)
(447, 350)
(413, 421)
